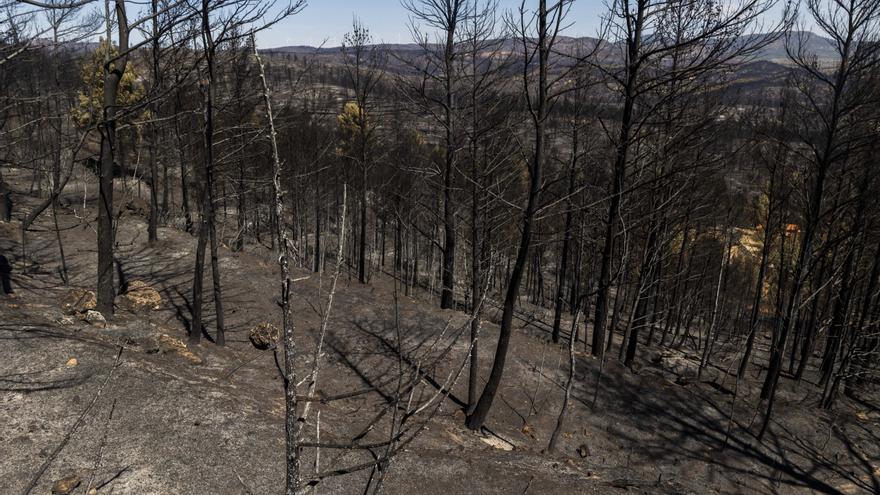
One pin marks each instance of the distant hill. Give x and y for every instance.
(812, 43)
(773, 52)
(761, 76)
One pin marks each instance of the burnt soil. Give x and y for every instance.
(157, 422)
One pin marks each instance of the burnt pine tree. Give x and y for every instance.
(114, 68)
(538, 94)
(441, 71)
(364, 69)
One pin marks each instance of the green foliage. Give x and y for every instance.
(352, 120)
(355, 128)
(90, 101)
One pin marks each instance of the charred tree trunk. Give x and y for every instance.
(152, 227)
(759, 292)
(113, 72)
(539, 115)
(207, 227)
(621, 156)
(562, 270)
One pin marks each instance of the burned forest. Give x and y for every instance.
(532, 246)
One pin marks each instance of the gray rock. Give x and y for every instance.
(66, 485)
(95, 318)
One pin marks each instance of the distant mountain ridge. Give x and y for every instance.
(775, 51)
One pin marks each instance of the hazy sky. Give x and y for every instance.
(330, 19)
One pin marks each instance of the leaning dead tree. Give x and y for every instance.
(540, 90)
(292, 426)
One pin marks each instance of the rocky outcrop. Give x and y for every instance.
(170, 345)
(95, 319)
(140, 296)
(78, 301)
(264, 336)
